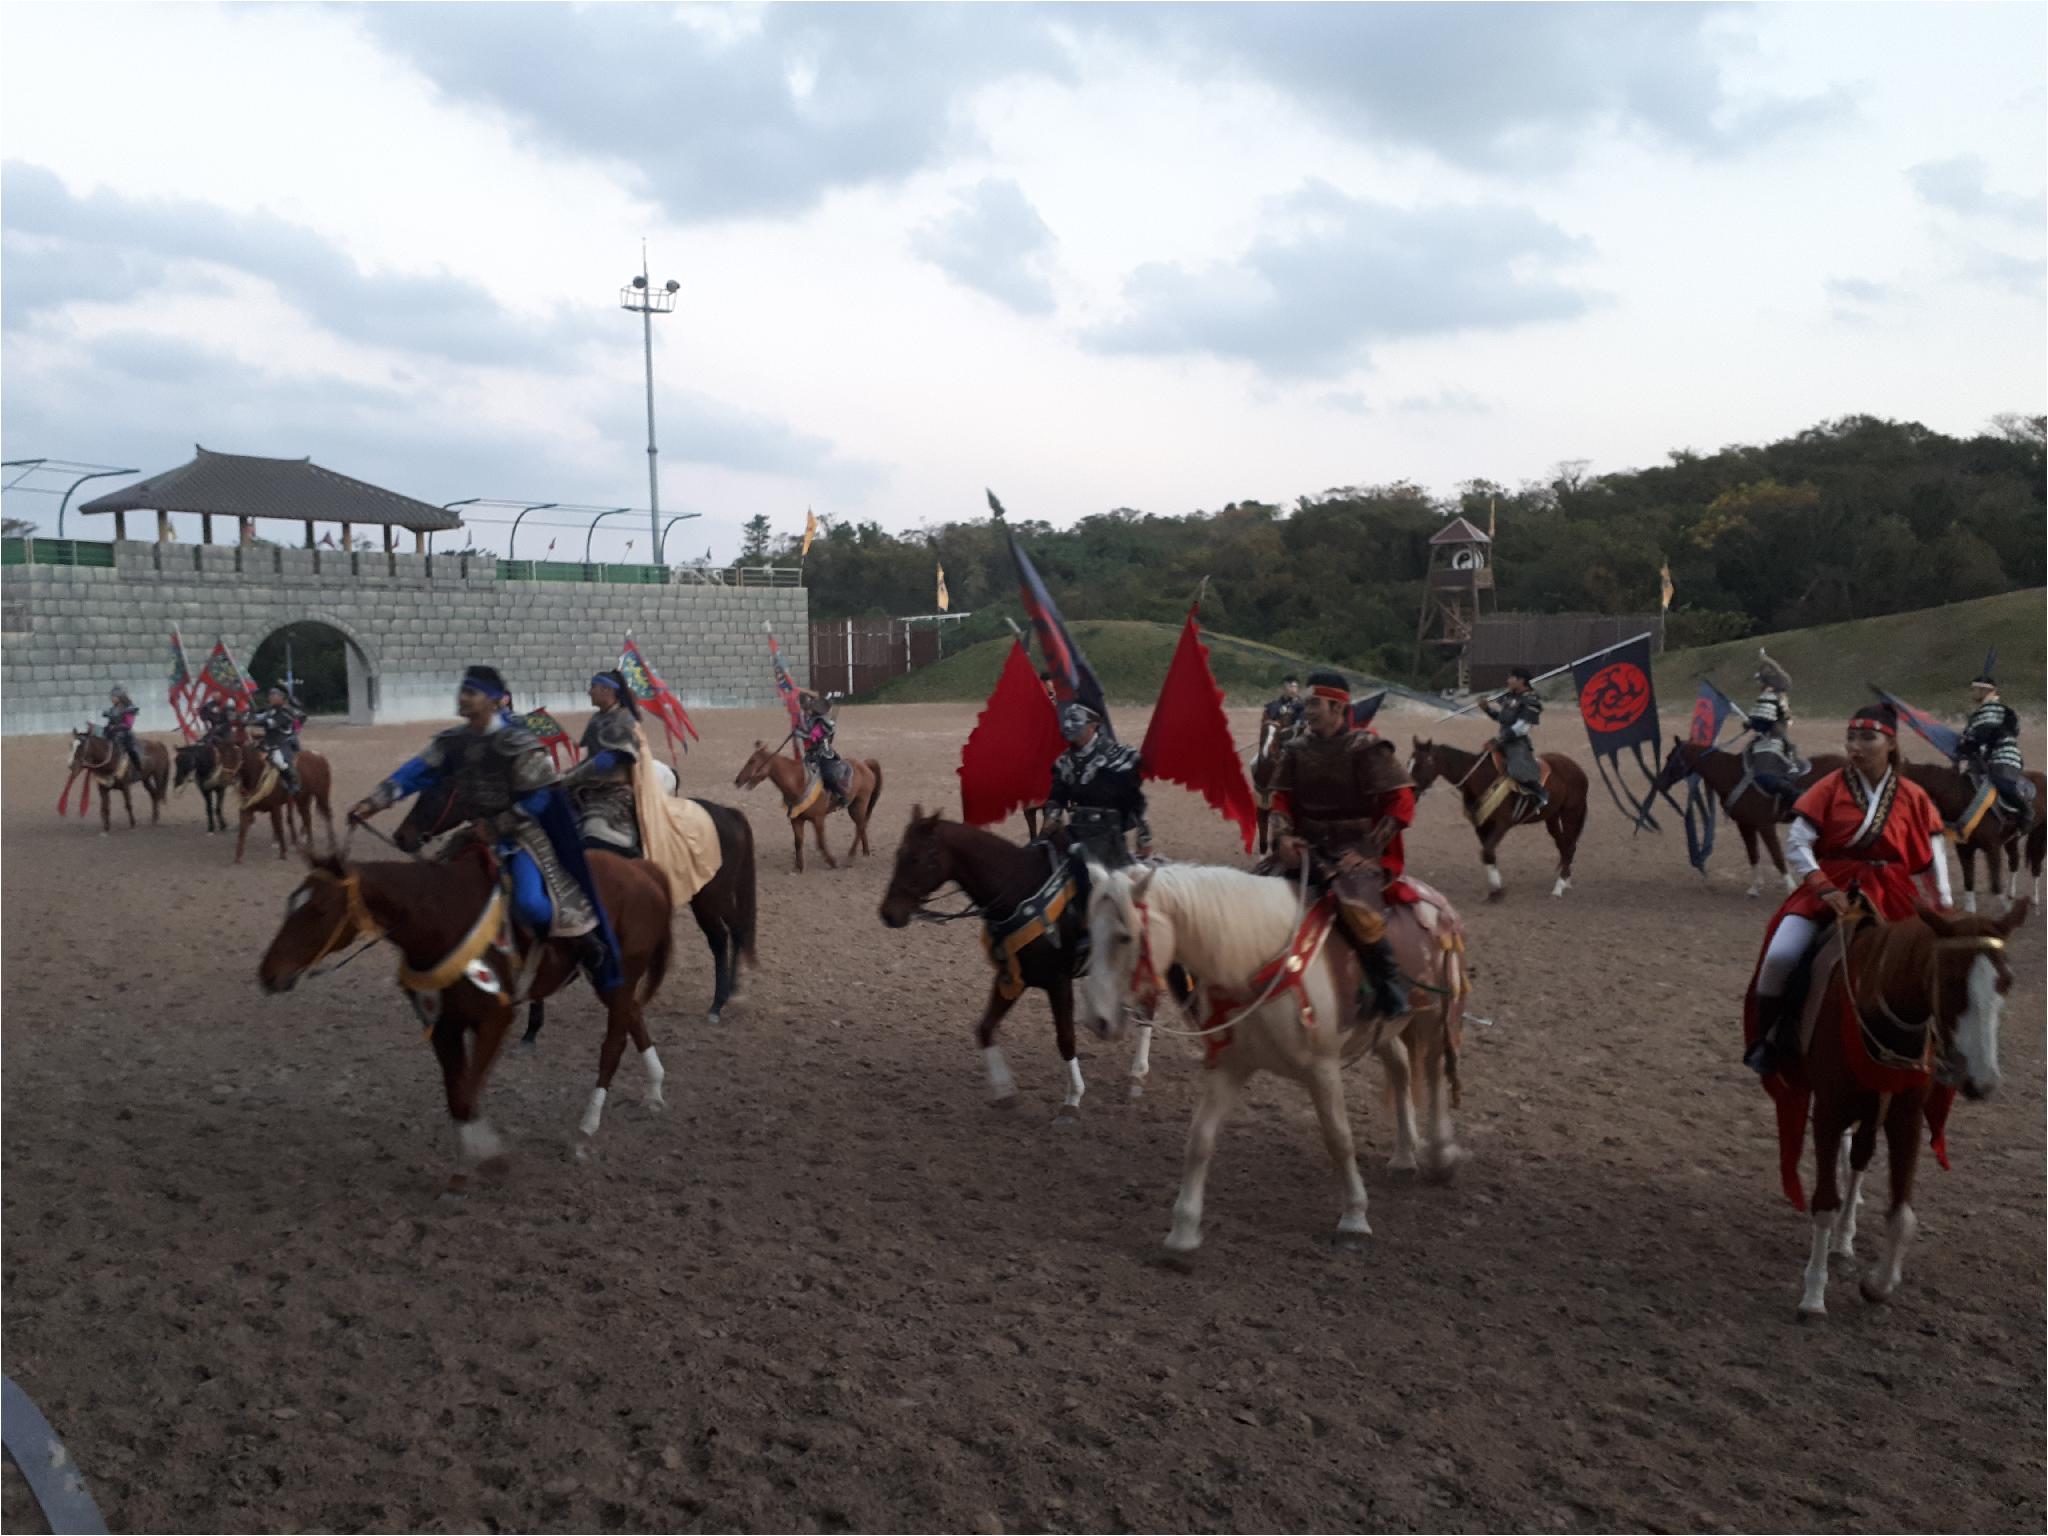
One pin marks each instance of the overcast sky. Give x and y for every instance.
(1160, 257)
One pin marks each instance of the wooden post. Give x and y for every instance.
(163, 526)
(206, 527)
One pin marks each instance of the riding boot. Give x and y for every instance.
(1383, 974)
(1774, 1036)
(135, 757)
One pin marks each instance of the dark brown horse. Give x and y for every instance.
(1995, 834)
(997, 876)
(724, 908)
(1753, 810)
(202, 764)
(1265, 763)
(463, 970)
(1928, 993)
(260, 790)
(807, 802)
(1476, 775)
(108, 766)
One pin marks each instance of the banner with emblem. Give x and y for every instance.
(184, 689)
(1945, 739)
(1710, 712)
(553, 735)
(785, 685)
(222, 677)
(1618, 703)
(1073, 680)
(654, 696)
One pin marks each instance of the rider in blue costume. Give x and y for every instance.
(509, 789)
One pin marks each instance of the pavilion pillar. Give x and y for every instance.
(387, 538)
(120, 525)
(348, 537)
(163, 526)
(248, 529)
(309, 533)
(419, 541)
(206, 527)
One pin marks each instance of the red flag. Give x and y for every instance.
(654, 695)
(223, 677)
(184, 688)
(785, 685)
(1007, 762)
(1188, 741)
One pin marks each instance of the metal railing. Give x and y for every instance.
(56, 552)
(651, 575)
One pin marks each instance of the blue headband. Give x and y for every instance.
(484, 686)
(612, 680)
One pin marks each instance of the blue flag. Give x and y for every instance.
(1944, 739)
(1072, 678)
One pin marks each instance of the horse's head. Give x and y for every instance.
(1422, 764)
(187, 765)
(1130, 945)
(1679, 765)
(434, 811)
(325, 913)
(1970, 977)
(754, 770)
(923, 864)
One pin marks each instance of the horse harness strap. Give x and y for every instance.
(1285, 973)
(1930, 1058)
(487, 930)
(796, 812)
(1036, 917)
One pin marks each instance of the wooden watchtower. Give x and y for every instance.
(1457, 591)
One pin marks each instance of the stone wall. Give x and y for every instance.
(411, 621)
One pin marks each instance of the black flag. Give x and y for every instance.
(1618, 702)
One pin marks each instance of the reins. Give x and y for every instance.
(1980, 944)
(1145, 975)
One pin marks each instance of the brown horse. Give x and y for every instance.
(1925, 996)
(201, 763)
(108, 766)
(997, 876)
(724, 908)
(1265, 763)
(809, 804)
(463, 968)
(1475, 774)
(259, 789)
(1995, 834)
(1753, 810)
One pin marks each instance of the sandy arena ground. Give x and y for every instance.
(833, 1289)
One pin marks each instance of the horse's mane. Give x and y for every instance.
(1228, 922)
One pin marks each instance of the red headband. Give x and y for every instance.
(1874, 722)
(1336, 695)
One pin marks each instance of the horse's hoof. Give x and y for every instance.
(1405, 1166)
(1068, 1118)
(656, 1103)
(1495, 895)
(527, 1044)
(1004, 1100)
(1137, 1088)
(1442, 1168)
(1812, 1314)
(496, 1166)
(1349, 1242)
(1872, 1294)
(711, 1017)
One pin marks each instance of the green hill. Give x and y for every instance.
(1129, 656)
(1926, 657)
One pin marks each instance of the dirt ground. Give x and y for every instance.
(833, 1289)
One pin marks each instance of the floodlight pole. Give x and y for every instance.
(640, 297)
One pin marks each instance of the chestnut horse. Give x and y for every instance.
(1276, 994)
(808, 802)
(253, 798)
(996, 876)
(1265, 763)
(203, 763)
(1754, 810)
(462, 970)
(1996, 834)
(724, 908)
(1473, 774)
(1926, 993)
(108, 766)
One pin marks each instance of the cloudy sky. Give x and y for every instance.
(1162, 257)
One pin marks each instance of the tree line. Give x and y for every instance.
(1849, 519)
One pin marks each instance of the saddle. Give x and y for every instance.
(1987, 792)
(1503, 786)
(1037, 917)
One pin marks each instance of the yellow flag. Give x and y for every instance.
(810, 532)
(945, 602)
(1665, 576)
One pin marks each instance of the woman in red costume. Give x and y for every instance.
(1866, 825)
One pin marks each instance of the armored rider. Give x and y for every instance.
(1343, 798)
(1991, 745)
(1284, 712)
(833, 771)
(600, 786)
(277, 728)
(507, 785)
(1770, 757)
(222, 719)
(1517, 712)
(120, 730)
(1097, 790)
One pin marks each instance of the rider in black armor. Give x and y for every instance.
(1097, 790)
(1517, 712)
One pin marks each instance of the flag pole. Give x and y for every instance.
(1543, 677)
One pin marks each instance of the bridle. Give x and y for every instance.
(1947, 1071)
(355, 920)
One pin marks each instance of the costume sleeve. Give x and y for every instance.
(1814, 804)
(1799, 842)
(1398, 806)
(1061, 794)
(409, 780)
(1280, 821)
(1938, 871)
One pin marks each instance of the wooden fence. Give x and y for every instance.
(856, 656)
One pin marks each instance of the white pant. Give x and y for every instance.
(1788, 944)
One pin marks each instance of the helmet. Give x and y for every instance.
(1075, 718)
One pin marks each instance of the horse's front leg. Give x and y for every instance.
(1751, 847)
(796, 826)
(278, 822)
(618, 1026)
(1396, 1062)
(818, 827)
(1857, 1148)
(1489, 844)
(1220, 1089)
(1002, 1087)
(242, 832)
(1829, 1122)
(1902, 1150)
(1141, 1060)
(477, 1145)
(1326, 1088)
(128, 800)
(1060, 993)
(536, 1015)
(1429, 1035)
(1776, 850)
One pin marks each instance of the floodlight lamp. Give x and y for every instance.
(639, 282)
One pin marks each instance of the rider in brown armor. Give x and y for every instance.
(600, 787)
(1331, 797)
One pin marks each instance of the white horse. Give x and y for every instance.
(1225, 926)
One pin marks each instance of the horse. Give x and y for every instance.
(1753, 809)
(810, 806)
(1265, 763)
(1276, 992)
(462, 967)
(109, 767)
(724, 908)
(206, 764)
(1994, 833)
(998, 876)
(1475, 774)
(259, 788)
(1925, 995)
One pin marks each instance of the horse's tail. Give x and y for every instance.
(665, 942)
(876, 769)
(743, 903)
